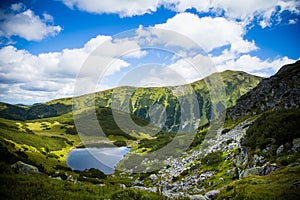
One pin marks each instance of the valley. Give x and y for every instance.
(253, 154)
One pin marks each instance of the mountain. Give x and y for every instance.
(236, 84)
(254, 155)
(281, 91)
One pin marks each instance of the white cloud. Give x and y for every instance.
(31, 78)
(210, 33)
(25, 24)
(193, 68)
(255, 65)
(18, 7)
(123, 8)
(244, 10)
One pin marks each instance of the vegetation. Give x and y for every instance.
(212, 159)
(277, 127)
(282, 184)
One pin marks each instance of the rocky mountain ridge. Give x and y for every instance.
(281, 91)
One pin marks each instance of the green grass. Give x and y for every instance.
(18, 186)
(277, 185)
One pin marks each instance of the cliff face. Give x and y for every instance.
(281, 91)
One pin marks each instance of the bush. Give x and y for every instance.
(279, 126)
(71, 131)
(120, 143)
(212, 159)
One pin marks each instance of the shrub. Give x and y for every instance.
(120, 143)
(212, 159)
(279, 126)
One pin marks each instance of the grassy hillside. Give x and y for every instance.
(138, 101)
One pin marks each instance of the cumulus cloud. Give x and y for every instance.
(210, 33)
(22, 22)
(244, 10)
(254, 65)
(33, 78)
(123, 8)
(193, 68)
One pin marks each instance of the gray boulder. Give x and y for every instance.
(25, 168)
(269, 168)
(251, 171)
(296, 145)
(212, 194)
(197, 197)
(280, 149)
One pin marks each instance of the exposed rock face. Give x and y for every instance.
(25, 168)
(277, 92)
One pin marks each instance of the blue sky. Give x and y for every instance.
(43, 44)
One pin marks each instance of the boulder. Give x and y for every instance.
(153, 177)
(212, 194)
(280, 149)
(251, 171)
(268, 169)
(25, 168)
(197, 197)
(296, 145)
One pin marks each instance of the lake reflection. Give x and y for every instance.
(103, 159)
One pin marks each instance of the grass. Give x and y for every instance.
(278, 185)
(39, 186)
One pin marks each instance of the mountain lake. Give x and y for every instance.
(104, 159)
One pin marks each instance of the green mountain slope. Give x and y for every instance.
(140, 100)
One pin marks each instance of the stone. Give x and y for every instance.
(25, 168)
(122, 186)
(153, 177)
(268, 169)
(280, 149)
(251, 171)
(296, 145)
(197, 197)
(295, 185)
(212, 194)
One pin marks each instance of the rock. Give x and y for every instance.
(296, 145)
(212, 194)
(268, 148)
(197, 197)
(25, 168)
(70, 178)
(57, 178)
(149, 189)
(251, 171)
(280, 149)
(221, 179)
(122, 186)
(295, 185)
(153, 177)
(257, 160)
(196, 190)
(268, 169)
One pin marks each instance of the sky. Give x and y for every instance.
(46, 45)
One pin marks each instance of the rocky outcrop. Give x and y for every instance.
(280, 91)
(25, 168)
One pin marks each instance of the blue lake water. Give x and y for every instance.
(103, 159)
